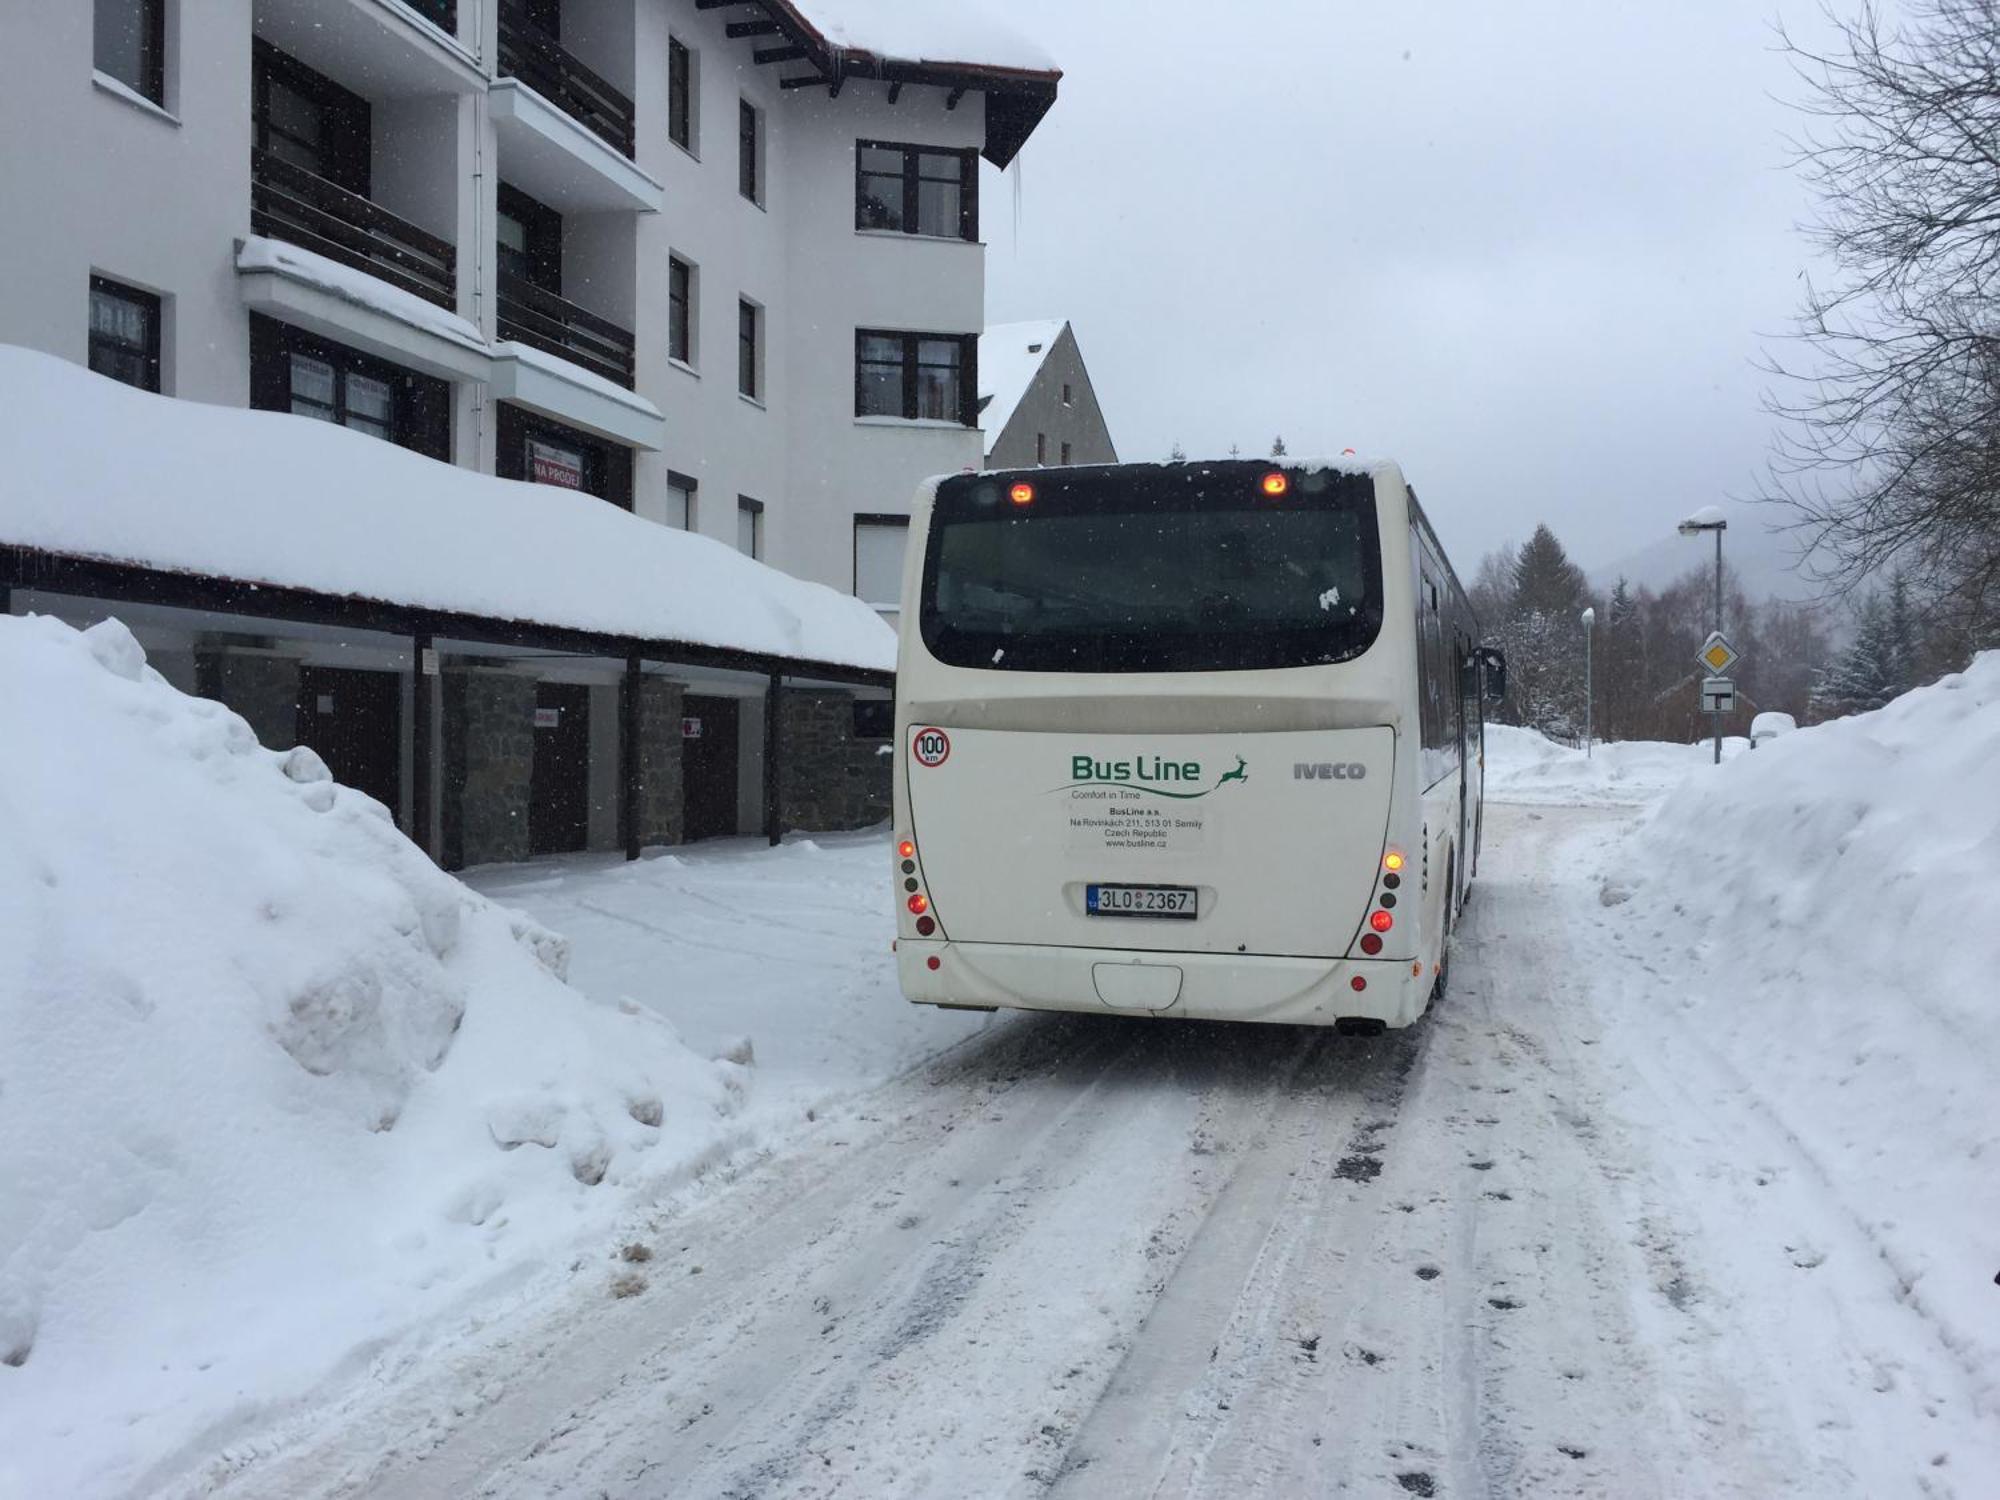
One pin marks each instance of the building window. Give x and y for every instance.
(1041, 447)
(529, 237)
(749, 526)
(129, 43)
(530, 447)
(1065, 453)
(749, 349)
(879, 543)
(916, 190)
(680, 310)
(307, 120)
(294, 372)
(750, 151)
(1068, 395)
(916, 375)
(125, 334)
(874, 718)
(681, 113)
(680, 500)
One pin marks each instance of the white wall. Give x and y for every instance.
(92, 182)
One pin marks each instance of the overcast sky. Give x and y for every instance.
(1530, 250)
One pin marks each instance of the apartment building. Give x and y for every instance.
(714, 262)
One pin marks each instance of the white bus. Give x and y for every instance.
(1187, 740)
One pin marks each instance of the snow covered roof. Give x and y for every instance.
(101, 471)
(1010, 355)
(952, 43)
(959, 33)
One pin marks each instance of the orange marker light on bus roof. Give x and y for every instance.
(1392, 861)
(1276, 484)
(1022, 494)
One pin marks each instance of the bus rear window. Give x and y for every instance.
(1152, 568)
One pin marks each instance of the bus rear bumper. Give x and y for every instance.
(1193, 986)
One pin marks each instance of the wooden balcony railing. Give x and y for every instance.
(291, 204)
(530, 54)
(531, 316)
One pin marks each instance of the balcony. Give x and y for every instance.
(541, 320)
(535, 58)
(291, 204)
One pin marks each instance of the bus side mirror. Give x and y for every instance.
(1493, 667)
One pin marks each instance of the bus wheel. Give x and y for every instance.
(1443, 981)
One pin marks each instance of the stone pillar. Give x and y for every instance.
(662, 806)
(263, 688)
(494, 744)
(831, 779)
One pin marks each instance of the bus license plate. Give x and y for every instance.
(1139, 900)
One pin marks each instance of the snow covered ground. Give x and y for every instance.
(1683, 1191)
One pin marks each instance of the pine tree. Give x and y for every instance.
(1177, 454)
(1543, 638)
(1234, 451)
(1862, 677)
(1278, 446)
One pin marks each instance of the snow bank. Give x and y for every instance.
(1523, 765)
(271, 1085)
(100, 470)
(1829, 908)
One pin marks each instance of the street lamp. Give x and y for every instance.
(1711, 518)
(1589, 697)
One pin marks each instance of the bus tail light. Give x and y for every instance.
(1371, 943)
(1357, 984)
(1393, 861)
(906, 850)
(919, 904)
(1381, 921)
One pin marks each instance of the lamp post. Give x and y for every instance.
(1589, 696)
(1710, 518)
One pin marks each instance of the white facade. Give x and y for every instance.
(158, 197)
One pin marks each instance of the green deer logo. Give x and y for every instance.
(1239, 774)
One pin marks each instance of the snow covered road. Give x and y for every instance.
(1544, 1244)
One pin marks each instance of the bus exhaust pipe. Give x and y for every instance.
(1359, 1026)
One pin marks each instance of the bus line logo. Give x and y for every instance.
(932, 747)
(1155, 774)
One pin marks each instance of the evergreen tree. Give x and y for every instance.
(1543, 638)
(1234, 451)
(1864, 676)
(1621, 664)
(1278, 446)
(1177, 454)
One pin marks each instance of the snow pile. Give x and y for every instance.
(1010, 355)
(1525, 766)
(272, 1086)
(1829, 909)
(100, 470)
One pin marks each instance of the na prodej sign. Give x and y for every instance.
(561, 467)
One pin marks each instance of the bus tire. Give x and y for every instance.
(1442, 983)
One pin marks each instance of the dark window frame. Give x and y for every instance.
(345, 150)
(419, 407)
(544, 230)
(912, 176)
(746, 506)
(152, 18)
(149, 351)
(1064, 450)
(968, 372)
(874, 719)
(680, 94)
(750, 151)
(749, 349)
(680, 310)
(883, 519)
(690, 486)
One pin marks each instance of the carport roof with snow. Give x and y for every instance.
(953, 46)
(123, 493)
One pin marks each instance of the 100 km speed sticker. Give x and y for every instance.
(932, 747)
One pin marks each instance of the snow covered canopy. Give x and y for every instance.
(101, 473)
(1010, 354)
(954, 45)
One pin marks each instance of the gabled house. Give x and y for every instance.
(1036, 402)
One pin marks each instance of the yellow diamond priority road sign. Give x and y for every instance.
(1717, 654)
